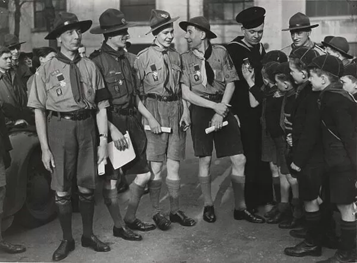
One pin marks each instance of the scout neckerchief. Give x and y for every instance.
(169, 78)
(126, 74)
(74, 75)
(206, 69)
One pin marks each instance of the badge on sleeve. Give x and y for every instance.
(155, 74)
(197, 74)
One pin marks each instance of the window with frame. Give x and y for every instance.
(224, 11)
(40, 9)
(318, 8)
(137, 10)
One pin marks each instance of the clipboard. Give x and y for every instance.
(121, 158)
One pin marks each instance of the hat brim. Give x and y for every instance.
(185, 24)
(98, 30)
(168, 22)
(336, 48)
(14, 45)
(300, 27)
(83, 25)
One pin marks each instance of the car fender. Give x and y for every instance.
(24, 143)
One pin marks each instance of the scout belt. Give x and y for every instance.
(126, 111)
(173, 97)
(72, 115)
(213, 97)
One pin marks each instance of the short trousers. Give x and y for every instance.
(132, 124)
(165, 145)
(310, 180)
(268, 148)
(342, 186)
(74, 148)
(227, 140)
(281, 149)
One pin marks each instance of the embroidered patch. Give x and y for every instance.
(56, 72)
(164, 15)
(59, 91)
(60, 77)
(155, 74)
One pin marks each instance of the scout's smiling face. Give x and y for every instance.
(300, 37)
(165, 37)
(194, 37)
(70, 39)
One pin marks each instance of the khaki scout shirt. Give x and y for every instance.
(152, 71)
(51, 91)
(220, 62)
(309, 44)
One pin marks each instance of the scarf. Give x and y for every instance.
(206, 69)
(168, 69)
(74, 75)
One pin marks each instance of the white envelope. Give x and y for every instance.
(121, 158)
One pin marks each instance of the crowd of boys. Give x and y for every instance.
(286, 119)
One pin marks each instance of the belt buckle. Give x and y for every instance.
(164, 98)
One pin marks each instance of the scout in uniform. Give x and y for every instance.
(248, 51)
(339, 47)
(338, 124)
(5, 159)
(116, 66)
(300, 31)
(159, 72)
(207, 83)
(65, 94)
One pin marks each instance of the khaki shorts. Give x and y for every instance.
(74, 148)
(165, 145)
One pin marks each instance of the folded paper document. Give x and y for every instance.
(163, 129)
(212, 128)
(121, 158)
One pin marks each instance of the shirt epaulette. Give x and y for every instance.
(218, 47)
(142, 51)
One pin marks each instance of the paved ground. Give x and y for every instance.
(227, 240)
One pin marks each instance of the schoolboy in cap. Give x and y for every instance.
(207, 83)
(117, 68)
(159, 72)
(349, 79)
(300, 31)
(12, 42)
(12, 91)
(65, 94)
(249, 49)
(339, 47)
(338, 124)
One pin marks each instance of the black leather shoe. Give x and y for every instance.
(63, 250)
(182, 219)
(246, 215)
(303, 249)
(139, 225)
(161, 221)
(272, 212)
(341, 257)
(290, 224)
(208, 214)
(94, 243)
(276, 219)
(298, 233)
(126, 233)
(11, 248)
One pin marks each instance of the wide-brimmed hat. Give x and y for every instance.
(299, 21)
(65, 21)
(328, 63)
(11, 40)
(160, 18)
(339, 44)
(200, 22)
(111, 20)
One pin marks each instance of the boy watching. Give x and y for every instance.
(349, 79)
(338, 117)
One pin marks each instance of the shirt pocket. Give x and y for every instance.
(115, 86)
(88, 89)
(154, 77)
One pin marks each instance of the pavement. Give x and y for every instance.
(225, 241)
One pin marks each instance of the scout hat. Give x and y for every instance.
(274, 55)
(328, 63)
(350, 70)
(11, 40)
(160, 18)
(111, 20)
(201, 23)
(299, 21)
(65, 21)
(251, 17)
(339, 44)
(304, 54)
